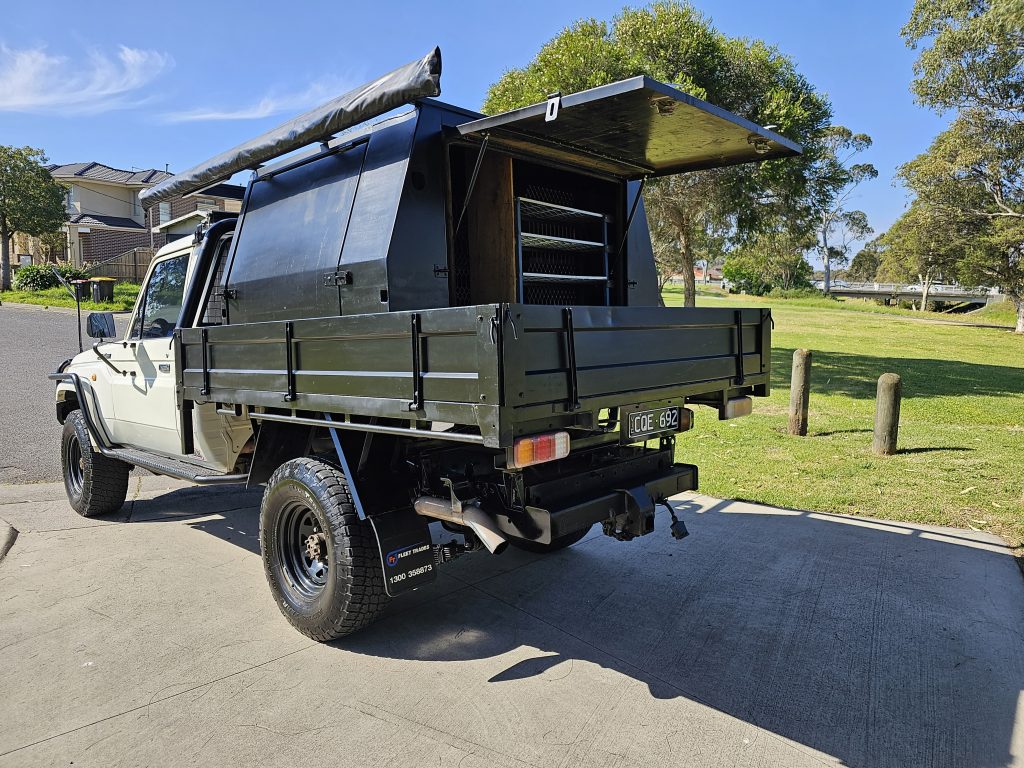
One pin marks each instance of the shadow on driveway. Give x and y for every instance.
(877, 643)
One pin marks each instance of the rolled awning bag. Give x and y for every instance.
(416, 80)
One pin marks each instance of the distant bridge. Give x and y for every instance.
(893, 292)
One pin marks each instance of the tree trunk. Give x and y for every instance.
(926, 285)
(827, 259)
(663, 278)
(689, 281)
(5, 260)
(1020, 314)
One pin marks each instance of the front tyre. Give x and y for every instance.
(95, 484)
(321, 560)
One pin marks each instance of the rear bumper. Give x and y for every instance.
(622, 494)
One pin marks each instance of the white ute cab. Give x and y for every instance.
(126, 389)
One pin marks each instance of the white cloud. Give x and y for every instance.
(273, 103)
(33, 80)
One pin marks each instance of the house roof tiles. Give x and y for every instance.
(100, 172)
(98, 220)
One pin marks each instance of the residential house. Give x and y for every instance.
(105, 218)
(702, 273)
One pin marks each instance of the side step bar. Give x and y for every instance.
(160, 465)
(163, 465)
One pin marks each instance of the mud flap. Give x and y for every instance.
(406, 550)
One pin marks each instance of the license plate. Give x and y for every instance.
(652, 422)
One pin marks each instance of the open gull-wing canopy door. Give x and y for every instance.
(631, 129)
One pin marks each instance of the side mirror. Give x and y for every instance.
(100, 325)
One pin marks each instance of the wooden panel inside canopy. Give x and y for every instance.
(490, 224)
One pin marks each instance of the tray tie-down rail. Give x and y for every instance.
(573, 403)
(416, 332)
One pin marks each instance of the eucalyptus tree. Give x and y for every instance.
(836, 180)
(921, 245)
(973, 173)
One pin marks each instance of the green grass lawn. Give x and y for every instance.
(124, 298)
(961, 425)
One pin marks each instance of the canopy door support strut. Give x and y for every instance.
(472, 183)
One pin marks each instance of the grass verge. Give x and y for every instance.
(961, 424)
(124, 298)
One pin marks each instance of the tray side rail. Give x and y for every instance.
(437, 365)
(558, 363)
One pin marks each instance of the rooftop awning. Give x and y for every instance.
(633, 128)
(415, 80)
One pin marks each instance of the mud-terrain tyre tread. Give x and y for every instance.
(560, 543)
(354, 569)
(104, 480)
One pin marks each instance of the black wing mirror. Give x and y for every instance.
(100, 325)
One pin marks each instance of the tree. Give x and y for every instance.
(836, 179)
(30, 201)
(771, 259)
(921, 245)
(848, 228)
(973, 173)
(674, 43)
(972, 60)
(53, 245)
(867, 261)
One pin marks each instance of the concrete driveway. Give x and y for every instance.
(769, 637)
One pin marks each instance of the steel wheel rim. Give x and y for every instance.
(306, 573)
(73, 461)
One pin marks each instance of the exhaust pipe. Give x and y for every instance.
(479, 522)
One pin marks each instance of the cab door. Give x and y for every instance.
(144, 399)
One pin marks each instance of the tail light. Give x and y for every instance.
(537, 449)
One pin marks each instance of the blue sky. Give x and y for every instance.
(112, 82)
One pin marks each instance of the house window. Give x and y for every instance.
(165, 213)
(202, 204)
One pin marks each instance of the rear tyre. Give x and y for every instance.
(321, 560)
(560, 543)
(95, 484)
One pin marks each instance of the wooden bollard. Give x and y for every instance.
(799, 392)
(887, 414)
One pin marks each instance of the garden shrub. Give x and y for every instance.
(39, 277)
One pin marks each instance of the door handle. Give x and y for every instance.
(165, 367)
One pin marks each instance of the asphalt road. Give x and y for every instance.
(33, 342)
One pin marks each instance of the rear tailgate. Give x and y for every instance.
(557, 361)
